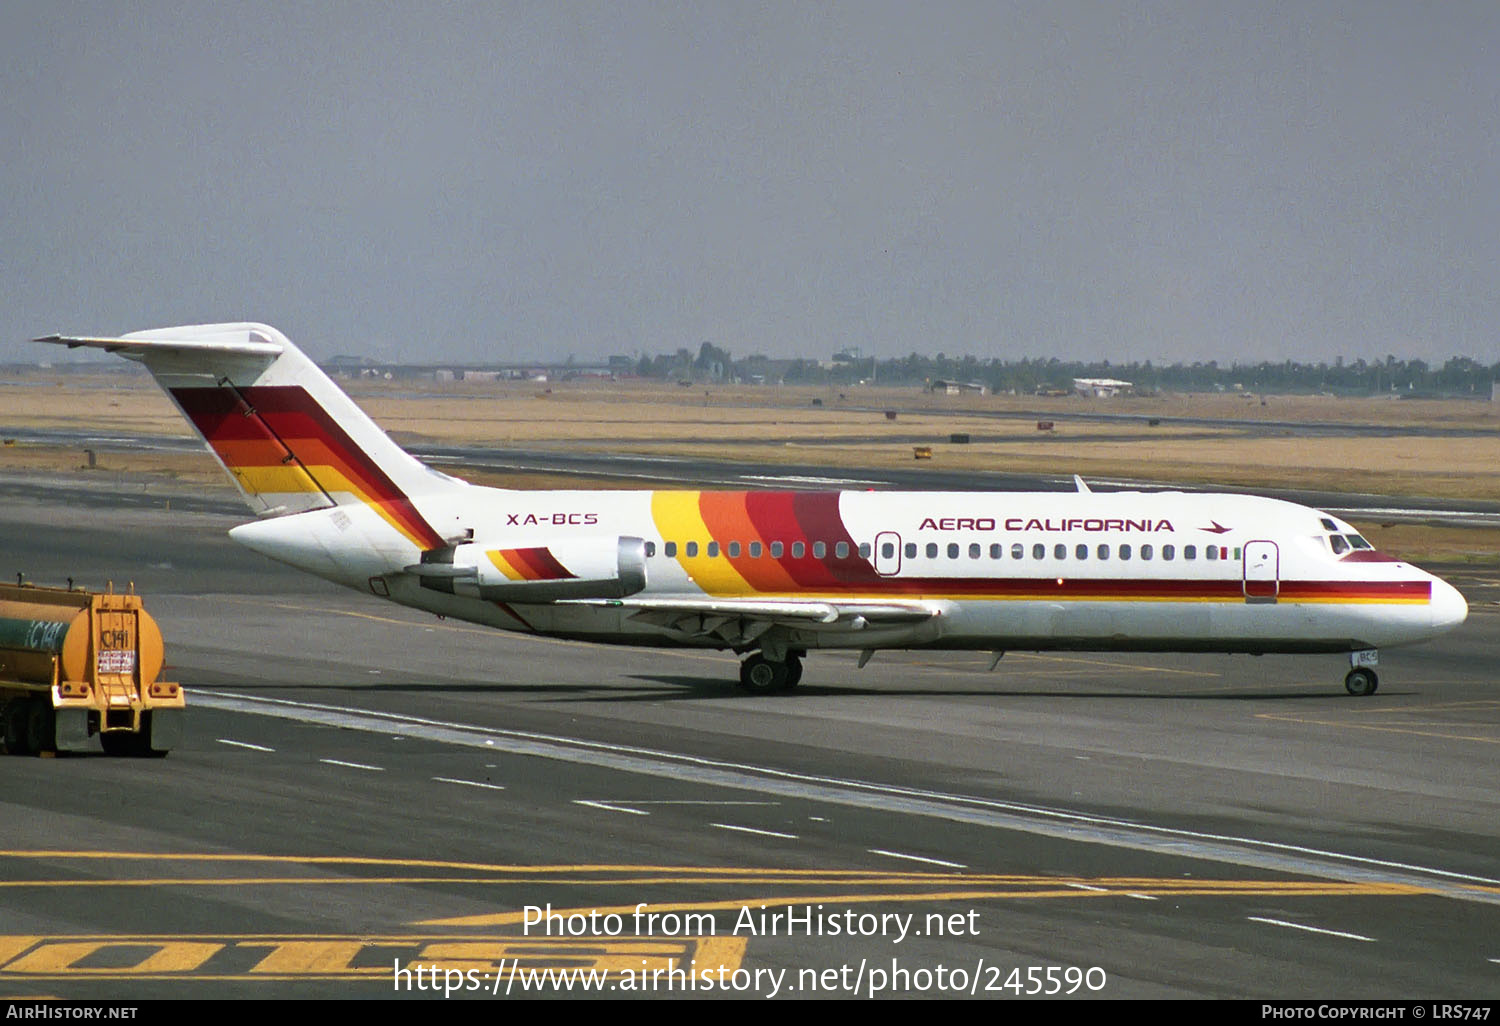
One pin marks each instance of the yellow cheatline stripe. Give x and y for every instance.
(677, 516)
(736, 590)
(505, 566)
(270, 481)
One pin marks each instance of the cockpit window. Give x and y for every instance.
(1356, 542)
(1337, 543)
(1329, 525)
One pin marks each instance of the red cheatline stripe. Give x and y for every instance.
(538, 564)
(1083, 589)
(818, 513)
(727, 518)
(308, 430)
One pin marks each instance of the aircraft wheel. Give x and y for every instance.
(763, 675)
(793, 671)
(1361, 682)
(41, 726)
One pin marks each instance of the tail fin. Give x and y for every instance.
(287, 435)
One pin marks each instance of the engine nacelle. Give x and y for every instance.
(571, 569)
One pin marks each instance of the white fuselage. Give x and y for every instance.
(994, 570)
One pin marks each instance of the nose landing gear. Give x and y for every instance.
(1360, 682)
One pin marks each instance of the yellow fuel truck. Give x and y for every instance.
(75, 665)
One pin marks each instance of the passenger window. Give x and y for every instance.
(1103, 552)
(1147, 551)
(1124, 551)
(1190, 552)
(1168, 552)
(1039, 551)
(691, 549)
(841, 550)
(670, 549)
(820, 550)
(1018, 551)
(887, 550)
(997, 550)
(932, 550)
(1212, 552)
(1081, 551)
(713, 550)
(953, 550)
(864, 550)
(974, 550)
(734, 550)
(776, 550)
(911, 550)
(798, 550)
(1059, 552)
(755, 550)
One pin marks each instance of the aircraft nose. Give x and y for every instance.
(1448, 607)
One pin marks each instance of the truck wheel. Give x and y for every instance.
(41, 726)
(142, 743)
(13, 722)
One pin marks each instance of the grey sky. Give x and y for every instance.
(1172, 181)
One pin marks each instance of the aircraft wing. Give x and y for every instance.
(749, 618)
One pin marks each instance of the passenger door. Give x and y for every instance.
(887, 553)
(1262, 571)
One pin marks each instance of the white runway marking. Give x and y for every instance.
(245, 744)
(610, 807)
(1310, 929)
(753, 830)
(470, 783)
(353, 765)
(1066, 824)
(916, 858)
(698, 801)
(798, 479)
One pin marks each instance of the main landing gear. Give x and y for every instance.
(1360, 682)
(763, 675)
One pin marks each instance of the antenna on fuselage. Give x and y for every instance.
(1085, 489)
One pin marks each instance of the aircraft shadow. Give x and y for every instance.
(672, 687)
(710, 687)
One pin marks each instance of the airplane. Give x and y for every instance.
(773, 575)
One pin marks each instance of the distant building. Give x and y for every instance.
(958, 387)
(1101, 388)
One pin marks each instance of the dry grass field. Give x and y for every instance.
(1270, 442)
